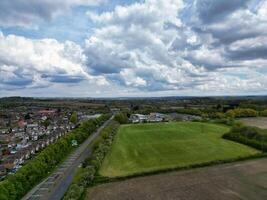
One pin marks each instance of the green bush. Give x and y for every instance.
(17, 185)
(75, 191)
(241, 112)
(263, 113)
(251, 136)
(226, 121)
(121, 118)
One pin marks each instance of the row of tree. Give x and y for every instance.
(17, 185)
(213, 114)
(86, 174)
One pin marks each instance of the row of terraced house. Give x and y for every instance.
(27, 133)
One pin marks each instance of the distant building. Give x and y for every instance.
(152, 117)
(138, 118)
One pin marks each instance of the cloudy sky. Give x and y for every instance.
(108, 48)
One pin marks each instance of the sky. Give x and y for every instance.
(120, 48)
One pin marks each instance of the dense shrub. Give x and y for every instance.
(250, 136)
(263, 113)
(241, 112)
(86, 174)
(74, 191)
(121, 118)
(189, 111)
(17, 185)
(226, 121)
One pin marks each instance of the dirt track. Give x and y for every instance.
(242, 180)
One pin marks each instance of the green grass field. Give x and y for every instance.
(149, 147)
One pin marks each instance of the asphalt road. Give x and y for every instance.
(54, 187)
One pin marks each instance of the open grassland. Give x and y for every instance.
(260, 122)
(150, 147)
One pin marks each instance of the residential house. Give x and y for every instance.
(21, 157)
(11, 162)
(3, 171)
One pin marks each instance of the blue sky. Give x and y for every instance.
(104, 48)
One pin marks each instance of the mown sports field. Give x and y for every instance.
(139, 148)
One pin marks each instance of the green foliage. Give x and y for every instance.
(241, 112)
(251, 136)
(121, 118)
(46, 123)
(17, 185)
(74, 192)
(74, 118)
(27, 116)
(86, 175)
(189, 111)
(263, 113)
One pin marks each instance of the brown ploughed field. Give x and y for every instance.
(240, 180)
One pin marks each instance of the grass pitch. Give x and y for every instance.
(142, 148)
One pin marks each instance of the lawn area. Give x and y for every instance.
(141, 148)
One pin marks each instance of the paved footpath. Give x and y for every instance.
(54, 186)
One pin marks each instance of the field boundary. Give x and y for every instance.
(102, 180)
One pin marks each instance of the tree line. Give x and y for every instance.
(210, 113)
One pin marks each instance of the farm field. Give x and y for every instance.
(260, 122)
(140, 148)
(245, 180)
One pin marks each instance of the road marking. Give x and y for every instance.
(43, 188)
(66, 165)
(33, 198)
(61, 169)
(50, 182)
(37, 195)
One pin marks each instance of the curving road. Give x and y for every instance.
(54, 186)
